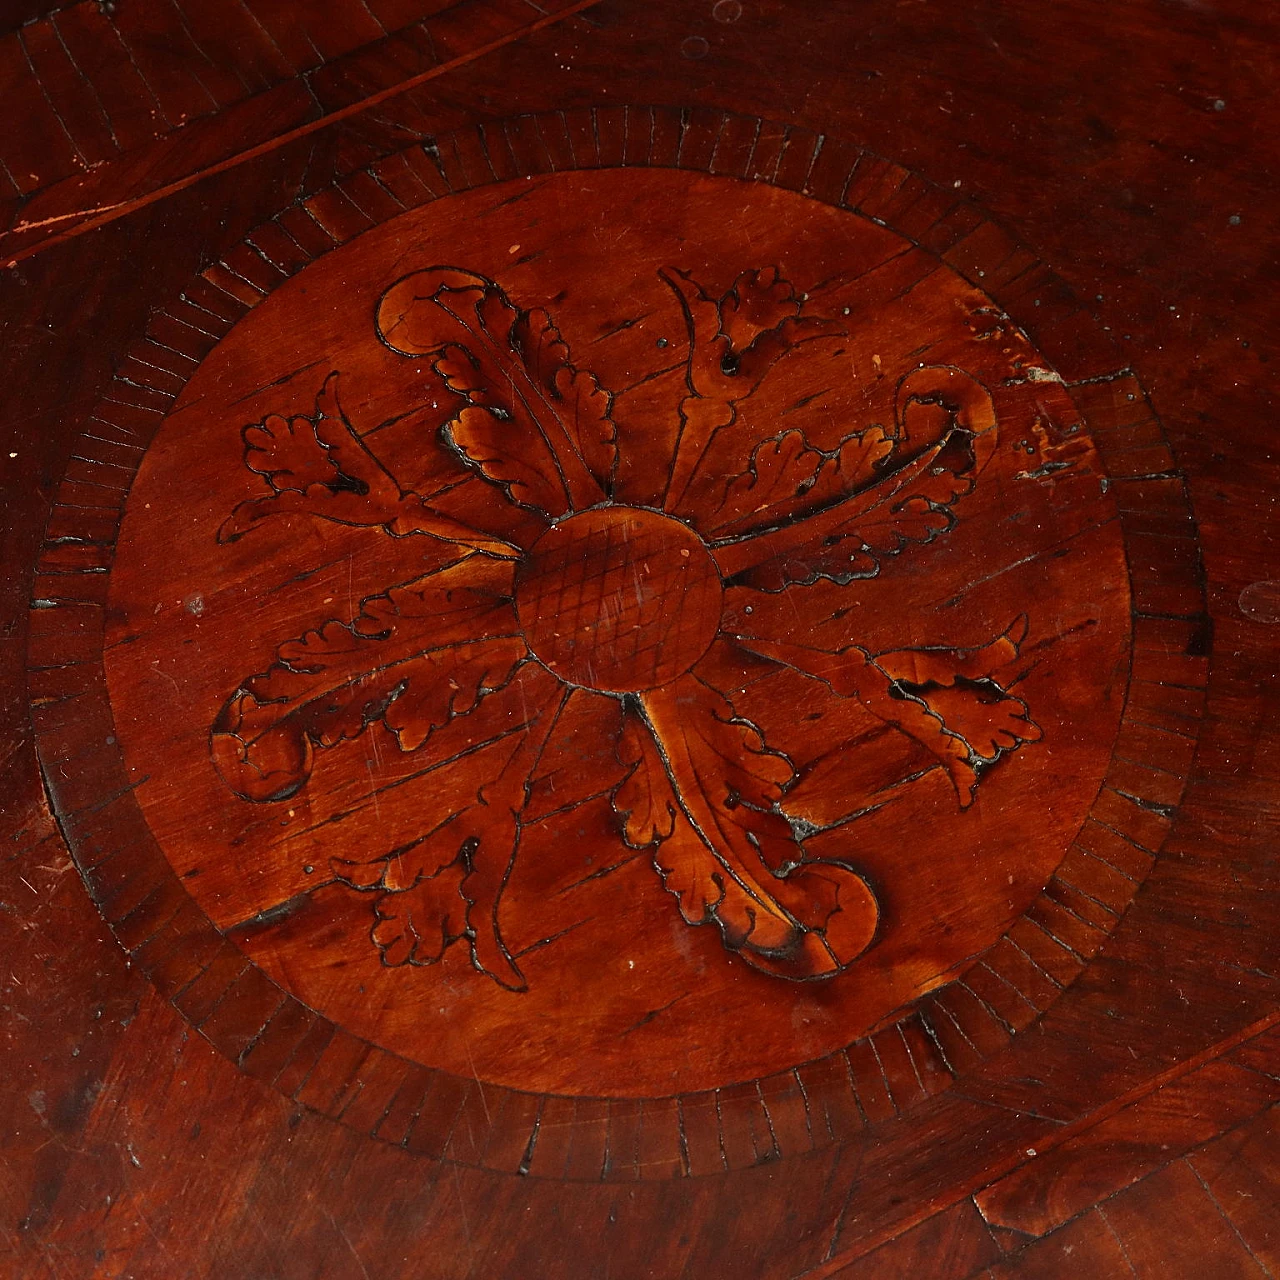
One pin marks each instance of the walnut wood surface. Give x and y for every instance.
(579, 625)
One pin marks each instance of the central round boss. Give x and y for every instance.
(619, 599)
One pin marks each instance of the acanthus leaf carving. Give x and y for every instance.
(332, 683)
(531, 421)
(788, 478)
(319, 466)
(644, 799)
(732, 856)
(734, 342)
(879, 515)
(416, 924)
(948, 700)
(469, 852)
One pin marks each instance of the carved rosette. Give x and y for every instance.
(647, 604)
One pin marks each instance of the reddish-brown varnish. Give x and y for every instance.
(638, 641)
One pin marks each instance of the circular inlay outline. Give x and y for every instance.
(272, 1036)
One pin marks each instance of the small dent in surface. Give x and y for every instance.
(1260, 601)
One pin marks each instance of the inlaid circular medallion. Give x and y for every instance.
(616, 634)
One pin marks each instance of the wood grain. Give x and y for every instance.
(894, 1070)
(1125, 153)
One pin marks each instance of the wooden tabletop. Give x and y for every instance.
(639, 641)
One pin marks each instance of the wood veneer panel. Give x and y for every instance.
(1185, 923)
